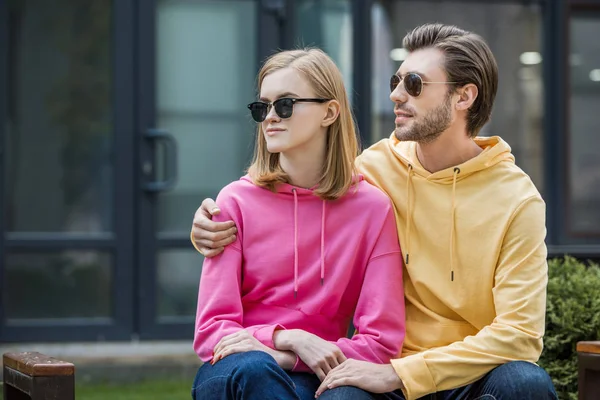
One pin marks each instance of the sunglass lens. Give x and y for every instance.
(413, 84)
(284, 107)
(394, 81)
(258, 111)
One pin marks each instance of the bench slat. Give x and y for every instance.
(37, 364)
(588, 347)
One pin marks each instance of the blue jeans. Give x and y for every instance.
(514, 380)
(256, 375)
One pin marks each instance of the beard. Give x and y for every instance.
(430, 127)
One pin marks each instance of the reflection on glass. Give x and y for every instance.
(510, 30)
(59, 129)
(327, 24)
(202, 97)
(67, 284)
(584, 121)
(177, 282)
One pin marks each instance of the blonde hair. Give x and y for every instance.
(342, 143)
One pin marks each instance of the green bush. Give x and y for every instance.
(573, 315)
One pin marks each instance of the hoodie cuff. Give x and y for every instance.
(415, 376)
(301, 366)
(265, 334)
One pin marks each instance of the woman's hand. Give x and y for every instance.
(320, 355)
(242, 341)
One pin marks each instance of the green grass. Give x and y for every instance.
(136, 391)
(158, 390)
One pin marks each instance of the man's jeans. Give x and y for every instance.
(515, 380)
(256, 375)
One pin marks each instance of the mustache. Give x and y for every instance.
(404, 109)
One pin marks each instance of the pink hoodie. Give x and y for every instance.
(303, 263)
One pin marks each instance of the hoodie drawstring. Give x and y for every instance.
(409, 210)
(296, 244)
(456, 172)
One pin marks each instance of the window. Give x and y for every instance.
(205, 76)
(59, 133)
(327, 24)
(583, 218)
(59, 147)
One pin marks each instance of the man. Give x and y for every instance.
(472, 228)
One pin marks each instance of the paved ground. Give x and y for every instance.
(120, 361)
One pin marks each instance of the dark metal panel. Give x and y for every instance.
(57, 241)
(166, 329)
(361, 60)
(582, 252)
(85, 331)
(145, 267)
(4, 93)
(272, 15)
(555, 77)
(124, 150)
(592, 4)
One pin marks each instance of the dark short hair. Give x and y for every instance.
(468, 59)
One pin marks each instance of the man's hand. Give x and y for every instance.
(242, 341)
(211, 237)
(374, 378)
(320, 355)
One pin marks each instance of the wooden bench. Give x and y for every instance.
(35, 376)
(588, 382)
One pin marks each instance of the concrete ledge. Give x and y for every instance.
(120, 362)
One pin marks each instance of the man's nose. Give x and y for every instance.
(399, 95)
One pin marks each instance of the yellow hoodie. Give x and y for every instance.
(472, 238)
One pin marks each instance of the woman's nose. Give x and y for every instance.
(271, 114)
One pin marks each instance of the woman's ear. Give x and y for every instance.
(333, 112)
(468, 94)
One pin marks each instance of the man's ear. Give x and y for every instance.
(333, 112)
(468, 94)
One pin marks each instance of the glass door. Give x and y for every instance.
(198, 61)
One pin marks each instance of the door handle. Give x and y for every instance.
(170, 161)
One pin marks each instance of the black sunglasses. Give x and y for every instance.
(413, 83)
(284, 107)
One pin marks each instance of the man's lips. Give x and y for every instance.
(402, 116)
(401, 113)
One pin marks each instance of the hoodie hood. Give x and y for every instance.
(287, 188)
(298, 195)
(495, 150)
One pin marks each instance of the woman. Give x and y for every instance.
(316, 245)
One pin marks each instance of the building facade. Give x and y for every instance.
(118, 117)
